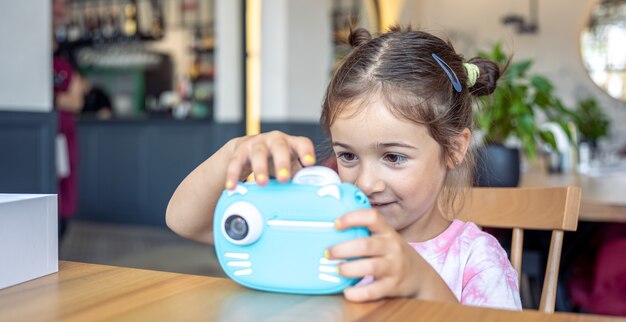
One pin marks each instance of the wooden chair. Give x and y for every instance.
(554, 208)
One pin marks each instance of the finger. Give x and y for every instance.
(233, 171)
(281, 154)
(371, 292)
(304, 149)
(259, 158)
(368, 218)
(374, 266)
(360, 247)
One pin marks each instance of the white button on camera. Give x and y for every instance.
(316, 175)
(239, 190)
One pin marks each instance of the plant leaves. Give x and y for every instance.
(517, 70)
(542, 84)
(548, 137)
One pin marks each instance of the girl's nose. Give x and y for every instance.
(369, 182)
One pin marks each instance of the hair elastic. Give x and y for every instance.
(451, 74)
(472, 73)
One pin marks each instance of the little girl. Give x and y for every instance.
(398, 111)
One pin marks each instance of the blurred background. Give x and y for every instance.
(165, 83)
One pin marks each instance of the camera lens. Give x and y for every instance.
(241, 223)
(236, 227)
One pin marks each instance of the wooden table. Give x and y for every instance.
(87, 292)
(603, 198)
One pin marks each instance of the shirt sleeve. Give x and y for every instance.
(489, 279)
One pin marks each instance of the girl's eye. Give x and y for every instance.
(394, 158)
(346, 156)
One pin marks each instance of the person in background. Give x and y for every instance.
(97, 102)
(399, 113)
(69, 91)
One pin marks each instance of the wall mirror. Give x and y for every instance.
(603, 47)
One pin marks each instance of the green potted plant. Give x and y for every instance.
(591, 122)
(512, 112)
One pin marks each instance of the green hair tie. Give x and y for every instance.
(472, 73)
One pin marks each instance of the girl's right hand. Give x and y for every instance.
(268, 154)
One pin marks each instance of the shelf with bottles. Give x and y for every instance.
(203, 40)
(200, 75)
(100, 22)
(202, 68)
(201, 71)
(199, 83)
(202, 49)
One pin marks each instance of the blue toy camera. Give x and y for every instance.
(273, 238)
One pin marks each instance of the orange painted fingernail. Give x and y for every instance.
(283, 174)
(230, 184)
(337, 224)
(326, 254)
(261, 178)
(309, 159)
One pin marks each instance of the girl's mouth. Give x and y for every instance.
(381, 204)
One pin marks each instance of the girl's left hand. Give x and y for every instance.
(398, 270)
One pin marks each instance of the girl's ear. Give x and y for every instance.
(460, 145)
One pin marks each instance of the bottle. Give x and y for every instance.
(106, 23)
(189, 12)
(114, 18)
(130, 19)
(74, 30)
(96, 32)
(60, 33)
(89, 24)
(181, 111)
(157, 20)
(584, 157)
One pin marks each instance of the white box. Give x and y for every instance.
(29, 242)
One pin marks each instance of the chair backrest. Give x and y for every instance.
(554, 208)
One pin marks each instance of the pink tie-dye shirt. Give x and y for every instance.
(474, 266)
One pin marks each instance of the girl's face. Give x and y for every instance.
(396, 163)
